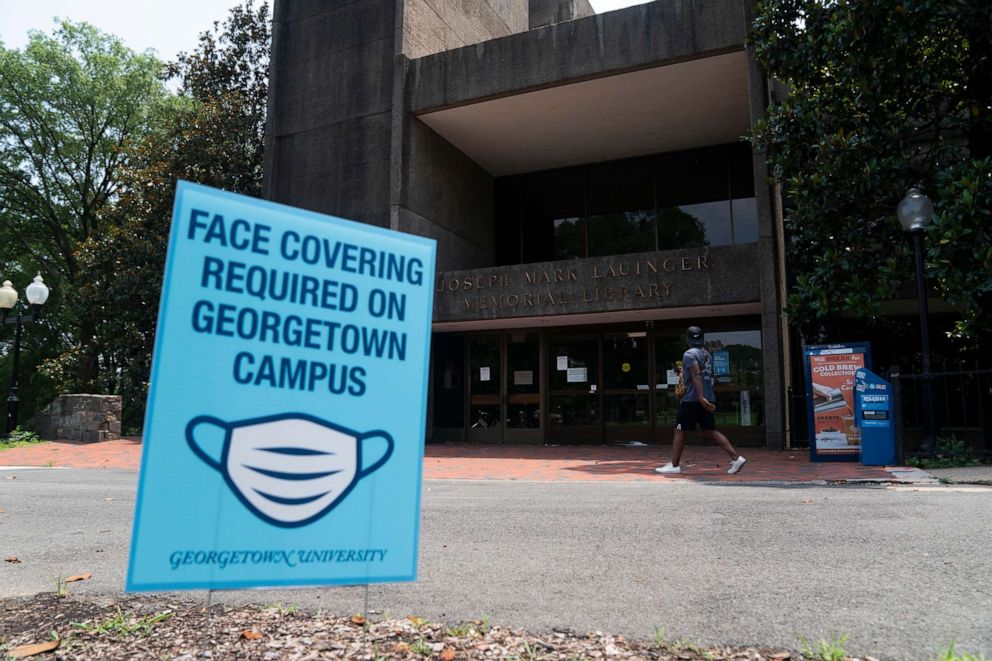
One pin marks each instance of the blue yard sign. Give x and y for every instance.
(284, 433)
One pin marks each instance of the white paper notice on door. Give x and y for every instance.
(523, 378)
(562, 363)
(576, 375)
(484, 374)
(672, 377)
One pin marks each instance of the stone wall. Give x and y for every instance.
(86, 418)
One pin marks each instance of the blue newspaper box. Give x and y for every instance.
(873, 414)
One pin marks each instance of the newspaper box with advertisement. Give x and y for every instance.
(830, 370)
(873, 413)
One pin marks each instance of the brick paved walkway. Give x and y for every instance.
(519, 462)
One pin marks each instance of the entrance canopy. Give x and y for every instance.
(661, 109)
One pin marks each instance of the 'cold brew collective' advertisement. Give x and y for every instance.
(830, 379)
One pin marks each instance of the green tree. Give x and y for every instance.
(882, 95)
(214, 137)
(70, 103)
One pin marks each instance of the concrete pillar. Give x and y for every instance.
(769, 232)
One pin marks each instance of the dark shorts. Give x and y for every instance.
(692, 413)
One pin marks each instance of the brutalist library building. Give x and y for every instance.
(587, 181)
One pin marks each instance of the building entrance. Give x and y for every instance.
(611, 387)
(586, 386)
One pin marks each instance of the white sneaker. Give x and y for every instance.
(736, 465)
(668, 469)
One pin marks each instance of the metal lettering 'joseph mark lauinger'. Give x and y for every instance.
(477, 294)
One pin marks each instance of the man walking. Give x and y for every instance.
(697, 405)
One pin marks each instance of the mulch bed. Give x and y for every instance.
(142, 627)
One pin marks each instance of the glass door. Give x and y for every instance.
(485, 410)
(505, 388)
(574, 412)
(523, 388)
(627, 387)
(668, 351)
(447, 421)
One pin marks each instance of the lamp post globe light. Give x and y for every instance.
(915, 212)
(37, 295)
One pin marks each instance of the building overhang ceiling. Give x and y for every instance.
(677, 106)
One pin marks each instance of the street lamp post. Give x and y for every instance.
(37, 294)
(915, 212)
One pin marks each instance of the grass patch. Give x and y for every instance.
(122, 625)
(951, 654)
(421, 647)
(472, 629)
(61, 590)
(19, 438)
(833, 649)
(282, 609)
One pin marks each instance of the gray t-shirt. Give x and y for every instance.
(701, 357)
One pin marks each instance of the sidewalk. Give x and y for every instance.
(964, 475)
(526, 462)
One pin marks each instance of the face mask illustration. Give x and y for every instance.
(290, 470)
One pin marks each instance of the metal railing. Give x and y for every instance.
(962, 406)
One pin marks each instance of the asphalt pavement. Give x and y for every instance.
(903, 571)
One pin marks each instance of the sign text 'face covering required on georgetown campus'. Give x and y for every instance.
(284, 434)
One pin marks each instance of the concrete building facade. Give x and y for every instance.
(587, 182)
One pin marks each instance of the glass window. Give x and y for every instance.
(668, 350)
(553, 204)
(573, 410)
(523, 380)
(745, 208)
(570, 238)
(741, 170)
(625, 362)
(627, 410)
(507, 232)
(694, 199)
(690, 225)
(621, 207)
(574, 365)
(745, 220)
(684, 199)
(692, 177)
(621, 233)
(738, 382)
(484, 379)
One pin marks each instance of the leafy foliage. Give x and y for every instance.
(952, 452)
(882, 95)
(70, 104)
(19, 438)
(214, 138)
